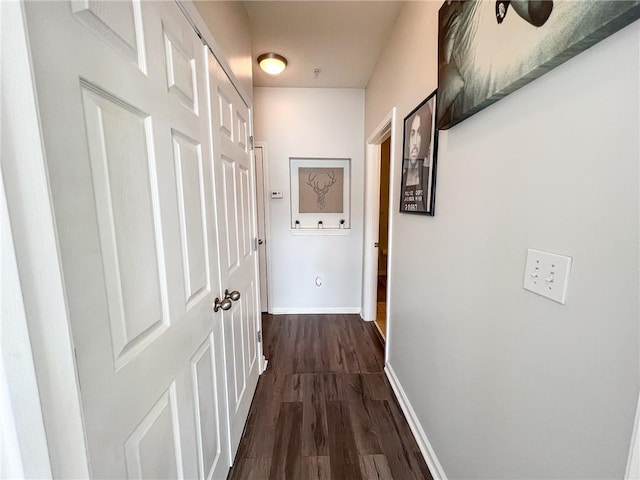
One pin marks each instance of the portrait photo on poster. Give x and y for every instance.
(420, 147)
(487, 50)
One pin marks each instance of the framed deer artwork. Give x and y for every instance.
(320, 193)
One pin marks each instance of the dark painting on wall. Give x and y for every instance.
(488, 49)
(420, 147)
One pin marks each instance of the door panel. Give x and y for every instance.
(235, 326)
(243, 132)
(118, 23)
(191, 205)
(127, 216)
(244, 192)
(123, 100)
(153, 450)
(224, 112)
(209, 427)
(181, 66)
(251, 322)
(230, 208)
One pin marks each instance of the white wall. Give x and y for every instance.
(316, 123)
(507, 384)
(228, 21)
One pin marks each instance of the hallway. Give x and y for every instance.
(324, 409)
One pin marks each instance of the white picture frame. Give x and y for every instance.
(320, 193)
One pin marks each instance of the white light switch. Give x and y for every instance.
(276, 194)
(547, 274)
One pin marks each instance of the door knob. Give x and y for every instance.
(235, 295)
(225, 304)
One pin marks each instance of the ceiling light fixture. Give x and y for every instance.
(272, 63)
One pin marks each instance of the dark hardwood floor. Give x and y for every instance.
(324, 408)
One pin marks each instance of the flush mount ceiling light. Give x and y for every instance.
(272, 63)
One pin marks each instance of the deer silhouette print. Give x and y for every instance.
(321, 190)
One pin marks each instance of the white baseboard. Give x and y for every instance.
(366, 319)
(303, 311)
(421, 438)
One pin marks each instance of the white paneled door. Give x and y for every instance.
(237, 242)
(124, 96)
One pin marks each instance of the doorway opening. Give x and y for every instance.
(383, 237)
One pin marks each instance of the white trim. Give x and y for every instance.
(36, 246)
(371, 224)
(11, 464)
(394, 184)
(633, 462)
(254, 201)
(265, 365)
(364, 319)
(23, 442)
(421, 438)
(267, 215)
(320, 310)
(372, 213)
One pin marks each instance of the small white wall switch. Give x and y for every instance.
(276, 194)
(547, 274)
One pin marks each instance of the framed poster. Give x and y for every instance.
(488, 49)
(320, 193)
(420, 147)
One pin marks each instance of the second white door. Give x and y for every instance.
(235, 202)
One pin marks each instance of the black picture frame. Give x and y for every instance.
(419, 158)
(489, 49)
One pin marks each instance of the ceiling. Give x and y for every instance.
(341, 38)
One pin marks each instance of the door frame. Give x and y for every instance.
(267, 216)
(385, 129)
(23, 449)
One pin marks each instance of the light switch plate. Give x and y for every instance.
(276, 194)
(547, 274)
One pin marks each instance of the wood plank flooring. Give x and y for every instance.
(324, 408)
(381, 305)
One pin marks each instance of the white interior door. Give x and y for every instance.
(261, 204)
(122, 92)
(238, 257)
